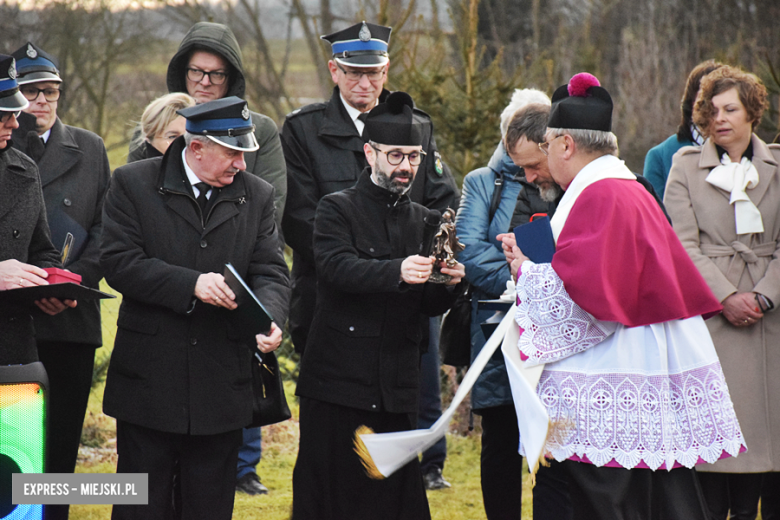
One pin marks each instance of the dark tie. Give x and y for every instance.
(363, 116)
(203, 188)
(35, 146)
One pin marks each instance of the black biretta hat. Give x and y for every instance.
(361, 45)
(225, 121)
(394, 122)
(33, 64)
(582, 104)
(11, 100)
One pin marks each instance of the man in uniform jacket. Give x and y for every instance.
(179, 382)
(208, 65)
(323, 148)
(74, 172)
(362, 359)
(25, 243)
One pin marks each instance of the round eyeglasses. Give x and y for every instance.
(396, 157)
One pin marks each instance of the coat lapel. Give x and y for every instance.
(224, 206)
(337, 127)
(62, 153)
(173, 181)
(766, 166)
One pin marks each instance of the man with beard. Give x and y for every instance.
(323, 148)
(362, 357)
(523, 136)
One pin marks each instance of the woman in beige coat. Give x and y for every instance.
(724, 201)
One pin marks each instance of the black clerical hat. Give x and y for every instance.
(361, 45)
(33, 64)
(582, 104)
(225, 121)
(11, 100)
(394, 122)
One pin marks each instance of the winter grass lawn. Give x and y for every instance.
(280, 443)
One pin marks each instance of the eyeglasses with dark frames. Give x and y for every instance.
(355, 75)
(5, 116)
(396, 157)
(545, 146)
(216, 77)
(32, 93)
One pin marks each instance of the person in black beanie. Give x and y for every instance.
(362, 361)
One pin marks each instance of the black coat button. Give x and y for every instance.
(193, 341)
(67, 202)
(203, 244)
(17, 233)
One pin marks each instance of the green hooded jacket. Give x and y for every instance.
(267, 162)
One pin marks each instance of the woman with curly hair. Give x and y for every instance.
(724, 201)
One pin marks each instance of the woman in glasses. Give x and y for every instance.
(160, 124)
(724, 200)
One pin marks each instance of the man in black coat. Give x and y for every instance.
(25, 242)
(179, 382)
(362, 358)
(323, 148)
(74, 173)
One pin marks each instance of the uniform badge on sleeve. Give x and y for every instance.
(439, 167)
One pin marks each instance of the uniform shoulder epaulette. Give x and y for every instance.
(306, 109)
(421, 113)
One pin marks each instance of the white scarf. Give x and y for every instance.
(736, 178)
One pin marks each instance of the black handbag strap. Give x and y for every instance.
(496, 200)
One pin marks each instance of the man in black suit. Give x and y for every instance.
(362, 357)
(74, 174)
(179, 382)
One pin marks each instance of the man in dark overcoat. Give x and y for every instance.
(74, 172)
(362, 359)
(323, 148)
(179, 382)
(25, 242)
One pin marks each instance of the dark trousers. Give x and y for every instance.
(602, 493)
(430, 398)
(735, 495)
(502, 473)
(206, 468)
(69, 367)
(770, 496)
(329, 481)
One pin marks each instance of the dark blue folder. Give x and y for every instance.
(536, 241)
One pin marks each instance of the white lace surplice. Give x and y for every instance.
(650, 396)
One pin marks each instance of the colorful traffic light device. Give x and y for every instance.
(23, 393)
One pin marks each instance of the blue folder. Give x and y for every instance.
(536, 241)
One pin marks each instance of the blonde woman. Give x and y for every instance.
(160, 124)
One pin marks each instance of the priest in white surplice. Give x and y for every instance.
(632, 385)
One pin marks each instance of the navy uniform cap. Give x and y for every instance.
(582, 104)
(225, 121)
(361, 45)
(11, 100)
(394, 122)
(33, 64)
